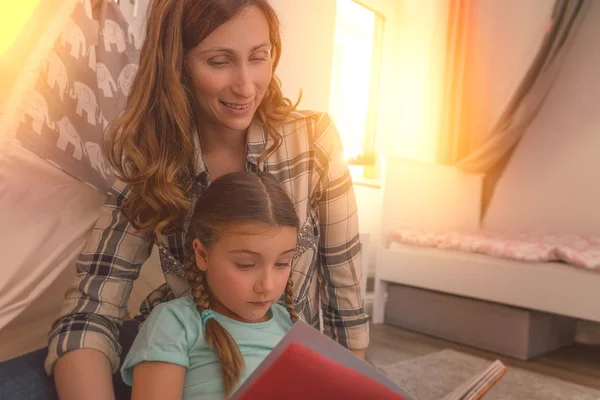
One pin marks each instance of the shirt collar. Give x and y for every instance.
(256, 143)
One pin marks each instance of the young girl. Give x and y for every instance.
(240, 245)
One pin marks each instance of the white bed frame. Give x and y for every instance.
(412, 194)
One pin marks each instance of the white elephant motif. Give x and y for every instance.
(132, 36)
(75, 37)
(94, 153)
(86, 100)
(92, 58)
(57, 74)
(37, 108)
(126, 78)
(87, 5)
(105, 80)
(113, 34)
(102, 120)
(68, 134)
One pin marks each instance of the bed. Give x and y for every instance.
(552, 287)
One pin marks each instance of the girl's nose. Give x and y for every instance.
(265, 284)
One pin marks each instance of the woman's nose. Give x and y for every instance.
(243, 85)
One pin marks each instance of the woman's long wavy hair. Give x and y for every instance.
(150, 145)
(233, 199)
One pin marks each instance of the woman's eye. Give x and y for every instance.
(217, 63)
(282, 265)
(244, 266)
(262, 56)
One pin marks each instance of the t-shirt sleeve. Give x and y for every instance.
(163, 338)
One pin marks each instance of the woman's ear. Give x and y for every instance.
(201, 256)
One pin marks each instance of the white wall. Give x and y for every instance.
(307, 30)
(551, 181)
(415, 88)
(369, 202)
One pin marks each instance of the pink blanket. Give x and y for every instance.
(579, 251)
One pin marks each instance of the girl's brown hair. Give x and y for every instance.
(150, 145)
(234, 198)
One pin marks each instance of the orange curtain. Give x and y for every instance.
(455, 141)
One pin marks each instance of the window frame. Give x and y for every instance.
(385, 25)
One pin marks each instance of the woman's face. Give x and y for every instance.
(231, 70)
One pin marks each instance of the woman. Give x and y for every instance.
(205, 102)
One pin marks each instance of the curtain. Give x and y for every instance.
(453, 141)
(535, 85)
(465, 149)
(489, 152)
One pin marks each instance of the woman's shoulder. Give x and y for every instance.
(307, 125)
(309, 117)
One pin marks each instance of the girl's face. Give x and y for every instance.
(231, 70)
(247, 270)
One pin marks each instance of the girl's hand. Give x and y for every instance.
(360, 353)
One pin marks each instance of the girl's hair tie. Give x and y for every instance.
(206, 315)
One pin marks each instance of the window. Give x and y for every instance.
(354, 88)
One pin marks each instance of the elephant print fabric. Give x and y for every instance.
(83, 85)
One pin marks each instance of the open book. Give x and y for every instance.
(308, 365)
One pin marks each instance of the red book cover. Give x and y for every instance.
(300, 373)
(308, 365)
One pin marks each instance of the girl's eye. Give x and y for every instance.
(282, 265)
(244, 266)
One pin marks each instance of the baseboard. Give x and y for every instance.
(588, 332)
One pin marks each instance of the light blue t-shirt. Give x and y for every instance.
(173, 333)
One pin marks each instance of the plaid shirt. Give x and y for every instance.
(326, 268)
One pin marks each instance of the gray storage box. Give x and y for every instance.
(502, 329)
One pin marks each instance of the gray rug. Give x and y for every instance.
(433, 376)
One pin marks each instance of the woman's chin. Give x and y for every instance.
(238, 125)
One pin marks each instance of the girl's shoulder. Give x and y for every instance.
(182, 304)
(281, 316)
(182, 309)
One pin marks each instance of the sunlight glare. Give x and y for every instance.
(13, 16)
(351, 78)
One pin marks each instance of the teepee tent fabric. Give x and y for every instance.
(53, 179)
(83, 84)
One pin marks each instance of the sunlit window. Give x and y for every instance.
(355, 79)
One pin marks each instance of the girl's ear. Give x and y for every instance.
(201, 256)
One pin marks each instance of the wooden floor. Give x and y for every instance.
(577, 363)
